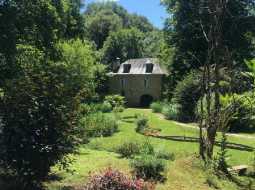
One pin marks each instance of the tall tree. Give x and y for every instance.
(43, 101)
(39, 23)
(221, 52)
(103, 18)
(75, 27)
(184, 33)
(124, 44)
(99, 26)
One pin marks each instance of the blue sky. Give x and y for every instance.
(149, 8)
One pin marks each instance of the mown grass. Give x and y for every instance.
(182, 174)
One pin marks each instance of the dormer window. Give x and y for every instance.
(127, 68)
(149, 67)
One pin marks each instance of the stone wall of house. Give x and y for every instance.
(133, 87)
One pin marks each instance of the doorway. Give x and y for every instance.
(146, 100)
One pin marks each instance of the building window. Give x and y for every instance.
(127, 68)
(146, 83)
(123, 83)
(149, 68)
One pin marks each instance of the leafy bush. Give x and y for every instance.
(149, 167)
(119, 109)
(142, 123)
(129, 149)
(156, 107)
(115, 100)
(164, 154)
(171, 111)
(115, 180)
(99, 124)
(86, 109)
(39, 111)
(186, 95)
(243, 119)
(147, 148)
(106, 107)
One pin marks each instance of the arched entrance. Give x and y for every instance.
(146, 100)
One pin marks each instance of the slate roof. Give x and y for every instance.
(138, 66)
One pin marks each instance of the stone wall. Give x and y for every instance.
(135, 86)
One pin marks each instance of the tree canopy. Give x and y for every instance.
(103, 18)
(185, 31)
(124, 44)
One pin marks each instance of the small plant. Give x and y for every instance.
(115, 180)
(99, 124)
(156, 107)
(142, 123)
(115, 100)
(149, 167)
(164, 154)
(137, 115)
(119, 109)
(147, 148)
(221, 159)
(84, 109)
(129, 149)
(106, 107)
(212, 181)
(170, 111)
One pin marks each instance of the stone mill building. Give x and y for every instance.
(139, 80)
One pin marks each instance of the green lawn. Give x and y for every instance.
(99, 153)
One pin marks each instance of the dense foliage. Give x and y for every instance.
(149, 167)
(142, 122)
(114, 179)
(243, 116)
(156, 107)
(186, 95)
(185, 29)
(99, 124)
(124, 44)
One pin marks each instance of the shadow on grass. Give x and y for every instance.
(196, 140)
(128, 121)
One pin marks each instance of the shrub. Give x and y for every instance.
(243, 119)
(129, 149)
(119, 109)
(171, 111)
(106, 107)
(86, 109)
(39, 111)
(115, 100)
(186, 95)
(149, 167)
(142, 123)
(156, 107)
(164, 154)
(99, 124)
(147, 148)
(115, 180)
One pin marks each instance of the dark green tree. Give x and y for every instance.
(75, 24)
(99, 26)
(139, 22)
(124, 44)
(185, 32)
(43, 100)
(103, 18)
